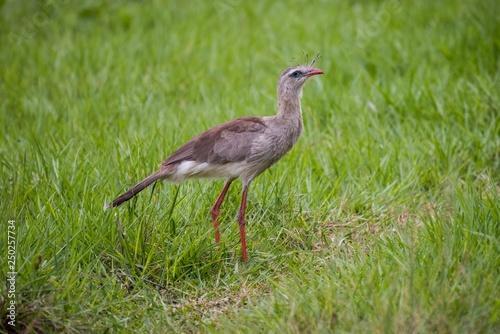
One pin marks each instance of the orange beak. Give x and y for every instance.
(314, 71)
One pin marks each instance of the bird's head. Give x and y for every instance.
(293, 78)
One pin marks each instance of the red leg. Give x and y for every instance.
(241, 221)
(215, 210)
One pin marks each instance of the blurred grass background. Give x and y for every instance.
(385, 217)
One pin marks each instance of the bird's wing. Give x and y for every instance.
(228, 142)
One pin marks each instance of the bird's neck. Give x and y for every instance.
(289, 117)
(289, 106)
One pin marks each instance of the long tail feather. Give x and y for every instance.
(136, 189)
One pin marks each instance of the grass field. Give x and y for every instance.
(384, 218)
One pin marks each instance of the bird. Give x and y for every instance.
(242, 149)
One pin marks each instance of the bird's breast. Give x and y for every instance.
(273, 144)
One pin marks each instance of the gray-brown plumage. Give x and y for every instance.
(242, 148)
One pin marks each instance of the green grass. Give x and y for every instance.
(385, 217)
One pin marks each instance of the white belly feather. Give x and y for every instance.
(193, 169)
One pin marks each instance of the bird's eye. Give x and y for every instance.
(296, 74)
